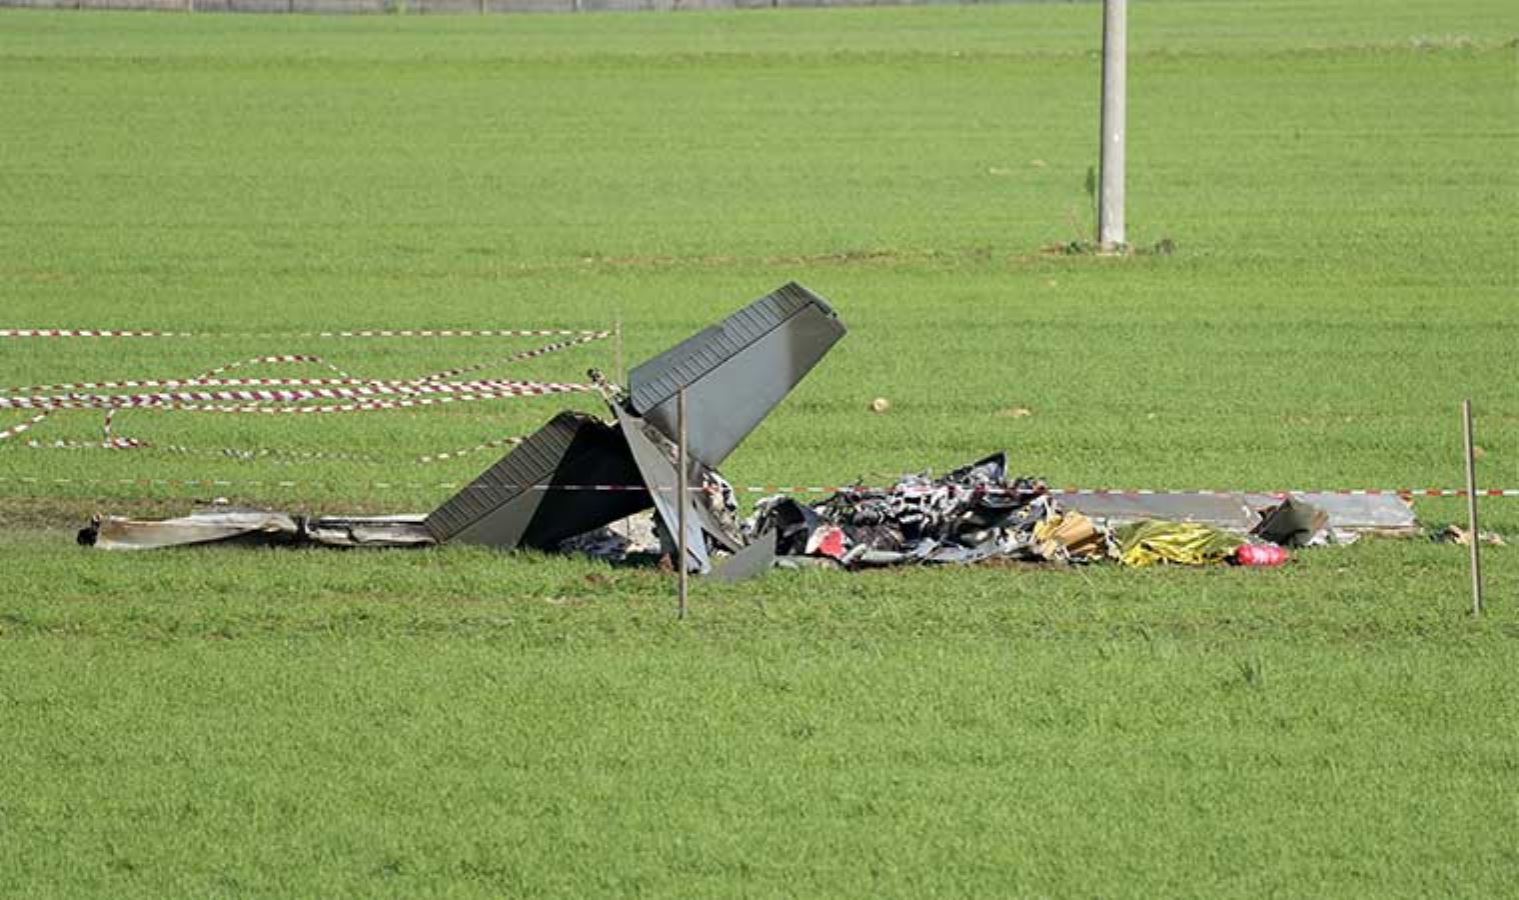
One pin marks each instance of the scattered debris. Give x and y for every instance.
(972, 514)
(1455, 534)
(606, 487)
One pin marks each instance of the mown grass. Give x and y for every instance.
(1337, 179)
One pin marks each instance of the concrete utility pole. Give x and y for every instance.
(1115, 51)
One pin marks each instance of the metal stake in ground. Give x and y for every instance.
(1114, 101)
(1473, 544)
(681, 487)
(617, 371)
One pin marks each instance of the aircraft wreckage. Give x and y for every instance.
(564, 485)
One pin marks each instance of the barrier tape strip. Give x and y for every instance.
(359, 406)
(425, 384)
(275, 360)
(257, 453)
(278, 455)
(751, 489)
(101, 333)
(71, 389)
(213, 377)
(520, 357)
(24, 426)
(366, 390)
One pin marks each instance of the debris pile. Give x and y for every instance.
(978, 513)
(972, 514)
(607, 487)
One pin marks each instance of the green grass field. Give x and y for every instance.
(1338, 178)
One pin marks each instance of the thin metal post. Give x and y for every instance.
(482, 7)
(1115, 51)
(680, 500)
(1473, 544)
(617, 372)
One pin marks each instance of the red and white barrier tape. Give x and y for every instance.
(370, 389)
(213, 378)
(751, 489)
(344, 386)
(24, 426)
(286, 358)
(209, 378)
(104, 333)
(329, 409)
(519, 357)
(259, 453)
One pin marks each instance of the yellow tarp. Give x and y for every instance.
(1184, 543)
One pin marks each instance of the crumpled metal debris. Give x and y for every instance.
(973, 514)
(1293, 523)
(979, 513)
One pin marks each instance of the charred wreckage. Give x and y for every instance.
(608, 488)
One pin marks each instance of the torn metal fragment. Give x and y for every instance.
(750, 562)
(1293, 523)
(656, 470)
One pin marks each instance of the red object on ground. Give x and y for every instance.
(1260, 555)
(827, 540)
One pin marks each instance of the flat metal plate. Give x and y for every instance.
(1226, 511)
(737, 371)
(1237, 512)
(527, 499)
(1354, 512)
(750, 562)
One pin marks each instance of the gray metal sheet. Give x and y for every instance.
(1237, 512)
(202, 526)
(1354, 512)
(737, 371)
(527, 498)
(1226, 511)
(255, 527)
